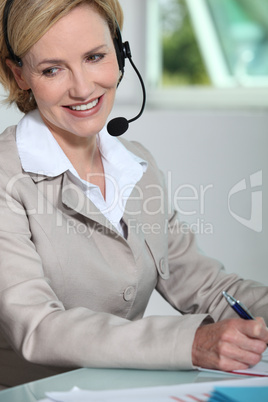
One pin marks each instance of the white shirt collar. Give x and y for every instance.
(38, 150)
(41, 154)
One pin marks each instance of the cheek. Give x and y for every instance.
(47, 94)
(110, 74)
(111, 80)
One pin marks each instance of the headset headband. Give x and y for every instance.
(7, 8)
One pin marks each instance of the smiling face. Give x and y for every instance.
(73, 73)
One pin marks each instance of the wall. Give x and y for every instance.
(204, 154)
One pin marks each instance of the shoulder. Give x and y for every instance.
(9, 157)
(153, 175)
(138, 149)
(8, 135)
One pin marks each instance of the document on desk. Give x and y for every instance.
(259, 370)
(202, 392)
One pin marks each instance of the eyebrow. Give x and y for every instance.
(59, 61)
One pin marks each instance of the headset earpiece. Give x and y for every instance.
(122, 50)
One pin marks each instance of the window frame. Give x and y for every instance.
(228, 95)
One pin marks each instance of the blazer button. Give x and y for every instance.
(129, 293)
(162, 266)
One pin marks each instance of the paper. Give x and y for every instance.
(180, 393)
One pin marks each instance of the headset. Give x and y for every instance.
(13, 57)
(119, 125)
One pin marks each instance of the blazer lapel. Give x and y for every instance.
(71, 197)
(74, 198)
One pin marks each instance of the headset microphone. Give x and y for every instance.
(119, 125)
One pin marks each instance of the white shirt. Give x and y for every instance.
(40, 153)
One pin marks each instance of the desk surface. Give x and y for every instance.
(102, 379)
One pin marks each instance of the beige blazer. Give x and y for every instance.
(73, 291)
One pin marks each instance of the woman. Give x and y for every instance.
(86, 230)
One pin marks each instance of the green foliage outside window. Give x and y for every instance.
(182, 61)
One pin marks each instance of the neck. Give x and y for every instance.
(84, 155)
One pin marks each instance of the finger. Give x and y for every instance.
(253, 345)
(264, 326)
(226, 364)
(261, 320)
(249, 343)
(255, 329)
(238, 355)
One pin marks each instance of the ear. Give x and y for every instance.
(120, 77)
(18, 74)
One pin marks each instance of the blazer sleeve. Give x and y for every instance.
(196, 281)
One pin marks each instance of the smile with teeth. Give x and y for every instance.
(88, 106)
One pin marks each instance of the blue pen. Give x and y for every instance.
(238, 307)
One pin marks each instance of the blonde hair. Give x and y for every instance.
(28, 21)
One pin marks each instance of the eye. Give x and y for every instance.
(95, 57)
(50, 72)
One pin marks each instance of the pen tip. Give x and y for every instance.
(227, 296)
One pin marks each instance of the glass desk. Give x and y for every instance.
(104, 379)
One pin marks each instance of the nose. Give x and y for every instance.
(82, 84)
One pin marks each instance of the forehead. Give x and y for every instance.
(82, 27)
